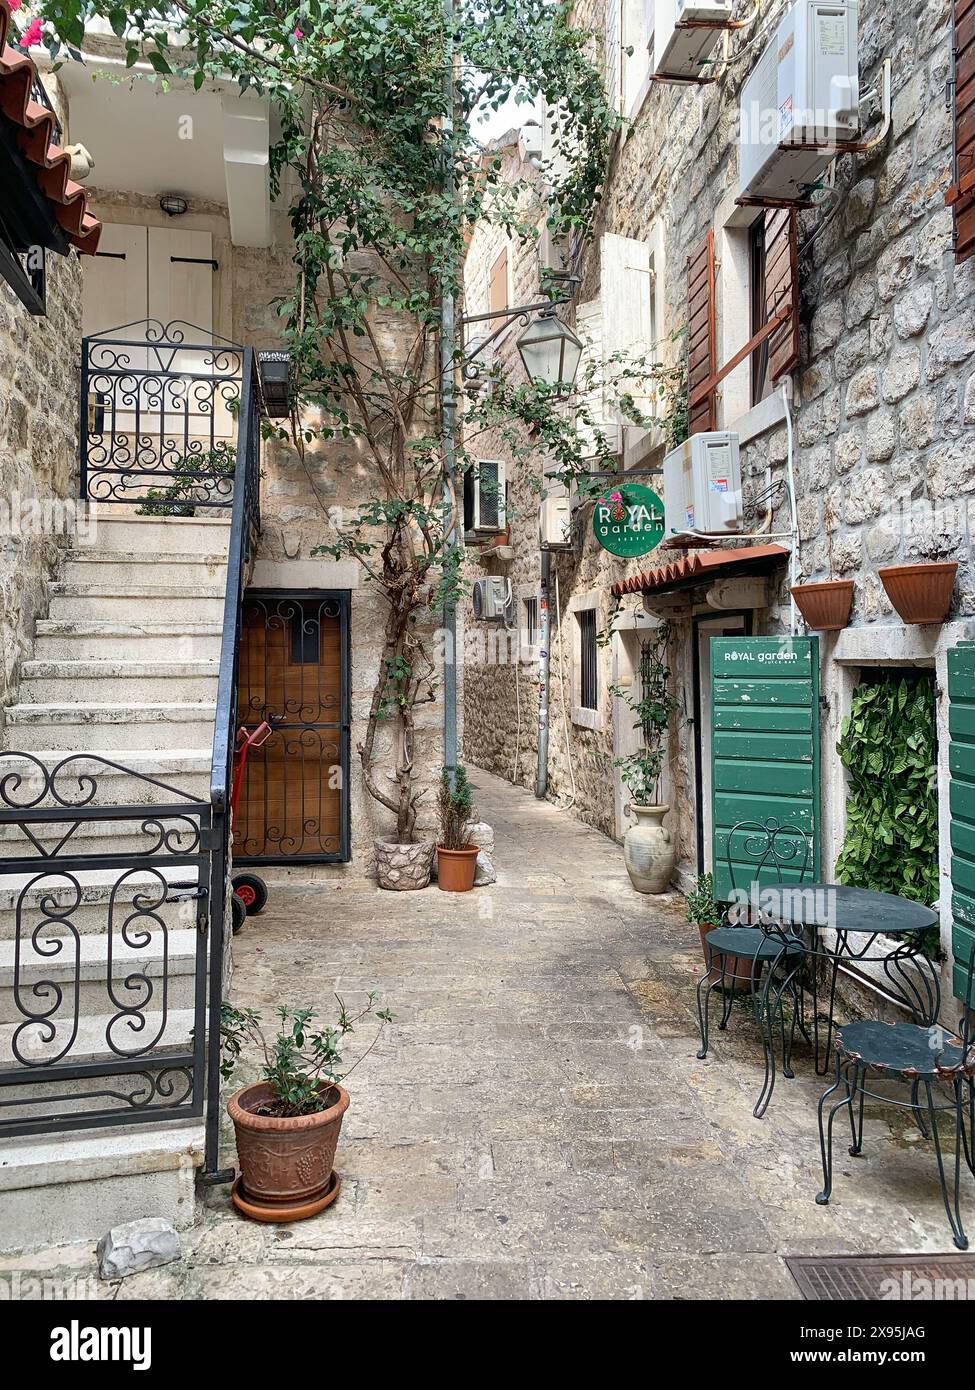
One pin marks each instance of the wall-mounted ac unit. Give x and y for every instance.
(484, 493)
(555, 523)
(702, 486)
(681, 52)
(493, 600)
(530, 140)
(804, 88)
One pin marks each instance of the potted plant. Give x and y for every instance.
(921, 593)
(649, 852)
(287, 1124)
(705, 914)
(826, 604)
(456, 856)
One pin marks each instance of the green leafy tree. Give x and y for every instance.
(379, 106)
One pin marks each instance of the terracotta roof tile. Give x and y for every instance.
(36, 142)
(704, 566)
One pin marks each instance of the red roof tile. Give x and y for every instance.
(710, 564)
(36, 142)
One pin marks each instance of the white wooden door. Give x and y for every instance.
(116, 281)
(181, 273)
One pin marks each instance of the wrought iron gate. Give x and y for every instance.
(294, 673)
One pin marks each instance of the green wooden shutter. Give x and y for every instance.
(961, 762)
(764, 747)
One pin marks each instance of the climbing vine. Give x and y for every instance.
(887, 745)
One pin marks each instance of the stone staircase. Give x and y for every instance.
(125, 669)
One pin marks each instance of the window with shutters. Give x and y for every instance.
(961, 195)
(613, 54)
(529, 626)
(637, 31)
(742, 316)
(498, 297)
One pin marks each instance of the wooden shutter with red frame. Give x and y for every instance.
(961, 194)
(782, 288)
(701, 336)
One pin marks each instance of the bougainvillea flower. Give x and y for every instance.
(32, 34)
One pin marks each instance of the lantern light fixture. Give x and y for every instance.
(173, 205)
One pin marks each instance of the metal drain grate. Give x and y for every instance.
(848, 1278)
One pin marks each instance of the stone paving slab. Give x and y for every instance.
(536, 1125)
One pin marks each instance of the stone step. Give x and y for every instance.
(88, 640)
(116, 728)
(130, 682)
(137, 602)
(59, 1188)
(122, 569)
(39, 895)
(173, 959)
(151, 535)
(146, 777)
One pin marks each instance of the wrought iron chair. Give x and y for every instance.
(936, 1059)
(773, 950)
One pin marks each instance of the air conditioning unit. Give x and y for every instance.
(702, 486)
(681, 52)
(530, 140)
(804, 88)
(484, 497)
(555, 523)
(492, 600)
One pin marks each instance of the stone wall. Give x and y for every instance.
(38, 456)
(883, 402)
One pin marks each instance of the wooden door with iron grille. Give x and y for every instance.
(294, 672)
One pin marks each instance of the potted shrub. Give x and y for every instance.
(287, 1124)
(649, 852)
(456, 856)
(921, 593)
(705, 914)
(825, 604)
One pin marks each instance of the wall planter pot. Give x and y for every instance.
(286, 1162)
(649, 852)
(402, 868)
(825, 605)
(920, 593)
(738, 969)
(456, 868)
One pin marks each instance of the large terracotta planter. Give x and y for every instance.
(649, 852)
(920, 593)
(825, 605)
(456, 868)
(738, 969)
(286, 1162)
(402, 868)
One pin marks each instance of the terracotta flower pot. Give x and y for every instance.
(738, 969)
(920, 593)
(456, 868)
(825, 605)
(401, 868)
(286, 1161)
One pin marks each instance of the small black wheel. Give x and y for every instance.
(252, 892)
(239, 913)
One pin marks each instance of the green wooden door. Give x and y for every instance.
(764, 750)
(961, 762)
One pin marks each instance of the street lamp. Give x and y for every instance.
(550, 350)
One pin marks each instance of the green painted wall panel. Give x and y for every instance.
(961, 801)
(764, 747)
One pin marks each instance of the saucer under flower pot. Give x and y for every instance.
(826, 604)
(921, 593)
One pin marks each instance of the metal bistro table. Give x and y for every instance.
(858, 917)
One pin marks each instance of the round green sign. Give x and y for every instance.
(629, 520)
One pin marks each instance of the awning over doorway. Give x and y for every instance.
(701, 568)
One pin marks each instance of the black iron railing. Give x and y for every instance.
(113, 900)
(159, 407)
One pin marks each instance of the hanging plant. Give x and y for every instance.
(887, 745)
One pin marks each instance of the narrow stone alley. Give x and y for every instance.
(535, 1124)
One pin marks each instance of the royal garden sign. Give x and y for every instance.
(630, 521)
